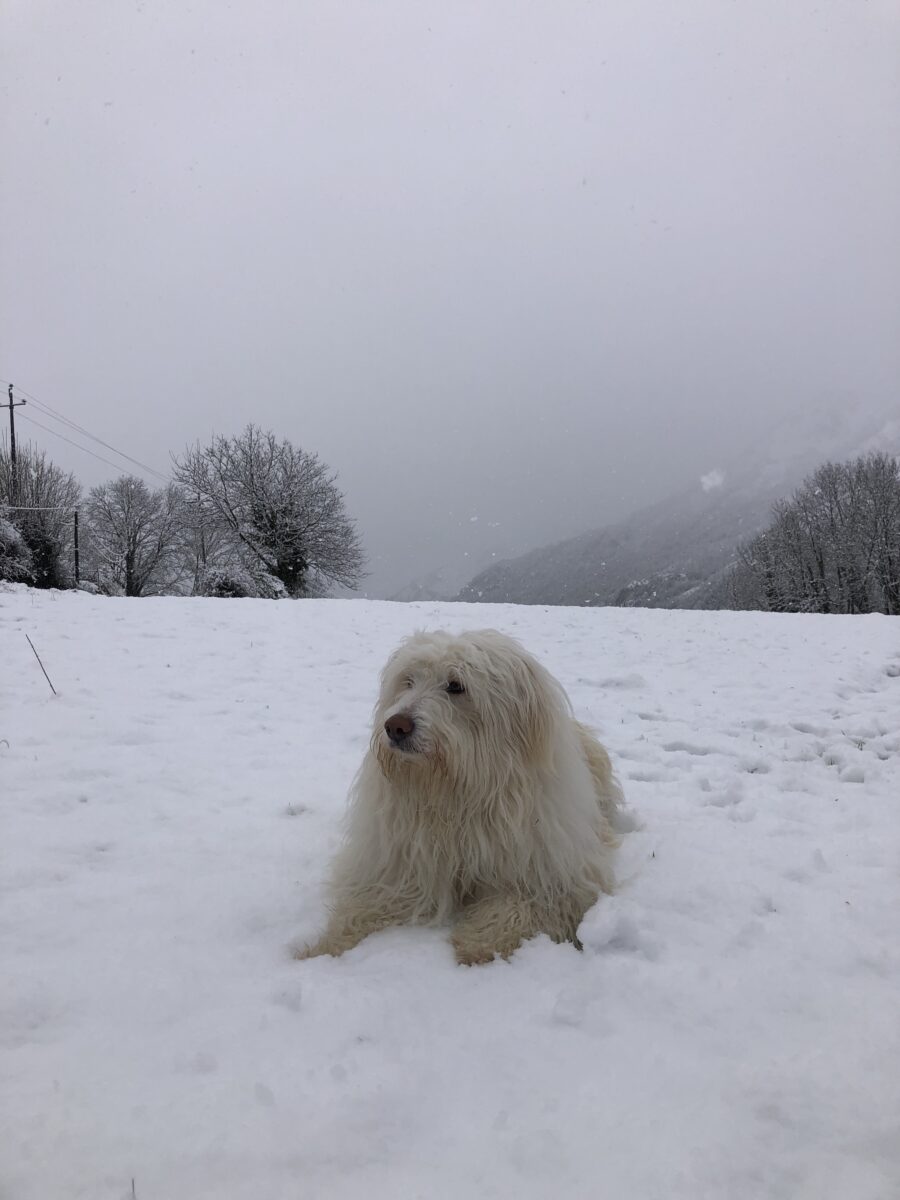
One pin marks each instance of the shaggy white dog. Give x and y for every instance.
(481, 802)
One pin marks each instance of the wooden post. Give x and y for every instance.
(13, 462)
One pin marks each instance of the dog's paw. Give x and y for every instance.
(467, 957)
(475, 954)
(301, 951)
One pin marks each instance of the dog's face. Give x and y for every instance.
(449, 702)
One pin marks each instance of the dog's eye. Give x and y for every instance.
(408, 681)
(455, 688)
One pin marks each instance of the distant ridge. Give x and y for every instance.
(676, 553)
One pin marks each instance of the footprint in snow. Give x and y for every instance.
(621, 682)
(690, 748)
(755, 766)
(722, 796)
(808, 727)
(852, 775)
(649, 776)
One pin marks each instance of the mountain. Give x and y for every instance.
(433, 586)
(444, 582)
(676, 553)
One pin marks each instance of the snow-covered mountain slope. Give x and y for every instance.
(674, 553)
(730, 1029)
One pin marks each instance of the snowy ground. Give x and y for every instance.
(731, 1031)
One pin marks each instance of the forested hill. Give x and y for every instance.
(676, 553)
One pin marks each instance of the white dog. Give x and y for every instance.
(481, 802)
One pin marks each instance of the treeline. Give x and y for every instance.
(833, 547)
(250, 515)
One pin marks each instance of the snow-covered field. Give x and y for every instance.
(730, 1032)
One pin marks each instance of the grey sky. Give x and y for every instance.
(530, 263)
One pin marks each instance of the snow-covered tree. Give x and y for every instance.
(281, 509)
(834, 547)
(43, 499)
(880, 501)
(16, 563)
(136, 535)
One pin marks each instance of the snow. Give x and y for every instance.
(730, 1032)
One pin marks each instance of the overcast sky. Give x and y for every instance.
(512, 268)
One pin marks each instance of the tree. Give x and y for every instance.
(136, 534)
(834, 547)
(880, 500)
(16, 563)
(281, 508)
(44, 503)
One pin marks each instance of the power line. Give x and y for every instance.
(47, 429)
(53, 414)
(48, 412)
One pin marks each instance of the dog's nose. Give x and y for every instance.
(399, 727)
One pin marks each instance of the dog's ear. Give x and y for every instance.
(536, 701)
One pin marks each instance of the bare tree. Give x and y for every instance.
(281, 507)
(209, 551)
(136, 534)
(880, 500)
(834, 547)
(45, 499)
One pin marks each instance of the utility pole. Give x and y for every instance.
(14, 469)
(77, 563)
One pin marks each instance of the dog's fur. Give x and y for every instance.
(498, 815)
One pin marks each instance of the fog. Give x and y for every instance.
(512, 269)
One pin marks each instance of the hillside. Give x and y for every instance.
(730, 1029)
(675, 554)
